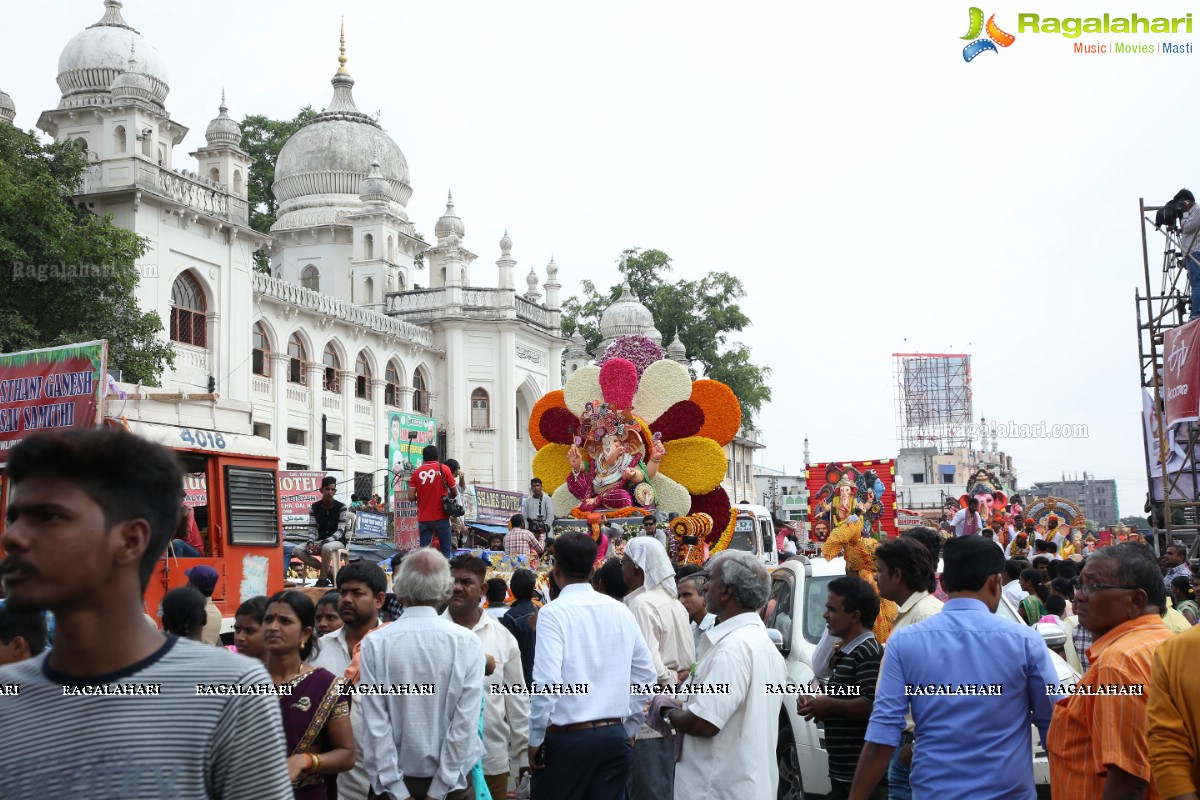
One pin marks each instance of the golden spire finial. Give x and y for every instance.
(342, 57)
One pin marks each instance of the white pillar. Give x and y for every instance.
(349, 398)
(505, 412)
(454, 397)
(279, 383)
(316, 381)
(378, 433)
(555, 367)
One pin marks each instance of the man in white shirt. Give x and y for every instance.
(420, 744)
(505, 714)
(904, 576)
(538, 510)
(730, 737)
(967, 521)
(653, 599)
(990, 535)
(362, 587)
(1012, 582)
(581, 744)
(691, 596)
(650, 528)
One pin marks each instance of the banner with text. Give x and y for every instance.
(51, 389)
(408, 435)
(1180, 371)
(495, 506)
(299, 489)
(369, 525)
(406, 533)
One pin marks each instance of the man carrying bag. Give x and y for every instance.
(432, 487)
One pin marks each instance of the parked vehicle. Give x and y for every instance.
(754, 532)
(794, 620)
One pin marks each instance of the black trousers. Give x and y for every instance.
(592, 764)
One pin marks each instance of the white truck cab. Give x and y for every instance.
(793, 616)
(754, 532)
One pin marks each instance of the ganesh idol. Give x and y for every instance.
(608, 467)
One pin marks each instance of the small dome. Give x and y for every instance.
(93, 60)
(374, 189)
(577, 347)
(449, 222)
(133, 84)
(8, 111)
(676, 350)
(506, 244)
(532, 281)
(551, 270)
(223, 131)
(625, 316)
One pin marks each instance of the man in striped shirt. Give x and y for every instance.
(520, 542)
(114, 710)
(1098, 742)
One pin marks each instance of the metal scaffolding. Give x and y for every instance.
(933, 400)
(1174, 492)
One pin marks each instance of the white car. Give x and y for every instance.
(795, 622)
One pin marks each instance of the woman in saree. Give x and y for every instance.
(1184, 597)
(1033, 607)
(316, 715)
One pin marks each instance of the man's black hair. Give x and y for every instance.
(968, 562)
(685, 570)
(1064, 587)
(1039, 561)
(522, 584)
(127, 476)
(535, 481)
(1012, 569)
(912, 559)
(332, 598)
(473, 564)
(497, 590)
(1051, 547)
(368, 574)
(396, 559)
(931, 539)
(574, 554)
(610, 579)
(1041, 545)
(857, 595)
(518, 520)
(1184, 194)
(183, 611)
(649, 518)
(1056, 605)
(328, 480)
(29, 625)
(430, 453)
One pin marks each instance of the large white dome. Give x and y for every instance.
(94, 58)
(627, 316)
(321, 168)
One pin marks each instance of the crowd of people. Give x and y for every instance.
(633, 678)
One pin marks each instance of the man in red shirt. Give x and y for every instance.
(429, 483)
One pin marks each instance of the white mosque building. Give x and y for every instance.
(346, 327)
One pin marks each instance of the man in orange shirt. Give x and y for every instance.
(1174, 713)
(1098, 742)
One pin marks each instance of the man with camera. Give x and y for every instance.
(1183, 208)
(432, 486)
(327, 522)
(538, 510)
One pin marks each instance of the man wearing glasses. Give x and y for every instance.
(1098, 742)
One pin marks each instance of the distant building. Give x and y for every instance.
(786, 495)
(1097, 498)
(928, 477)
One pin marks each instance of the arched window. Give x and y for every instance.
(237, 181)
(480, 409)
(362, 377)
(120, 141)
(260, 355)
(391, 391)
(297, 358)
(148, 145)
(391, 248)
(332, 367)
(368, 247)
(214, 175)
(189, 323)
(369, 291)
(310, 278)
(420, 403)
(81, 143)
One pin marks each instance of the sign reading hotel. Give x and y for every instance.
(298, 490)
(1181, 373)
(495, 506)
(56, 388)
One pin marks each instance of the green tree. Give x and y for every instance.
(71, 275)
(263, 138)
(703, 312)
(1141, 523)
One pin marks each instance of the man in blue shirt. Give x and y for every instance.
(974, 682)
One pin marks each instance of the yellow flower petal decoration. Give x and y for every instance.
(696, 462)
(564, 501)
(551, 465)
(583, 387)
(671, 497)
(663, 384)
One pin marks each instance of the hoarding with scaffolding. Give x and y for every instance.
(933, 399)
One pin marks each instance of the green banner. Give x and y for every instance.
(408, 435)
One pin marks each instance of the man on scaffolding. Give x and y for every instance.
(1189, 227)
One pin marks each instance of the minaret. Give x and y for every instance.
(677, 351)
(222, 160)
(532, 295)
(552, 286)
(576, 354)
(8, 111)
(507, 264)
(806, 460)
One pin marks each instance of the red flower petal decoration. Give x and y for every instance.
(619, 382)
(682, 420)
(557, 425)
(716, 505)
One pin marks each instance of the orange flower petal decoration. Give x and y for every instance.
(551, 465)
(722, 411)
(699, 464)
(552, 400)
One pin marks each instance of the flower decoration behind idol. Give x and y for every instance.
(623, 438)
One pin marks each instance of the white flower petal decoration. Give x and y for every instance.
(583, 387)
(672, 497)
(663, 384)
(564, 501)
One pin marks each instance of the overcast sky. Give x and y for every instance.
(874, 192)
